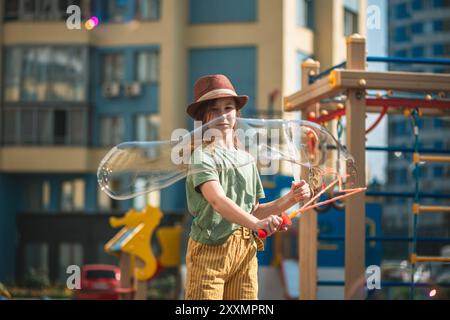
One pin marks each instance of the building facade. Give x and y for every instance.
(68, 95)
(418, 29)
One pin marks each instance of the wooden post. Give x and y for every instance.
(308, 221)
(125, 274)
(140, 285)
(355, 205)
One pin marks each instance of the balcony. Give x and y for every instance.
(50, 159)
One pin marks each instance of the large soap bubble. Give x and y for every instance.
(300, 148)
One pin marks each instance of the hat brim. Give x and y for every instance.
(241, 102)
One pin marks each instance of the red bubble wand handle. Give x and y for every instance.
(262, 233)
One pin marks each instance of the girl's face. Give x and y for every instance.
(225, 108)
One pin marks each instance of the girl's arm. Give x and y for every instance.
(299, 190)
(214, 194)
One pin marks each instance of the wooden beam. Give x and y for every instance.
(301, 100)
(417, 208)
(340, 80)
(430, 158)
(392, 80)
(415, 258)
(331, 106)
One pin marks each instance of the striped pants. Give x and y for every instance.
(228, 271)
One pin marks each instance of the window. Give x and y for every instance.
(447, 50)
(11, 10)
(438, 25)
(45, 126)
(27, 9)
(69, 254)
(66, 74)
(417, 4)
(438, 171)
(417, 51)
(417, 28)
(106, 203)
(27, 126)
(72, 196)
(78, 127)
(117, 10)
(147, 9)
(350, 22)
(113, 67)
(401, 53)
(13, 67)
(60, 126)
(11, 126)
(33, 194)
(147, 66)
(438, 49)
(446, 24)
(401, 34)
(45, 74)
(37, 259)
(48, 10)
(305, 13)
(46, 195)
(401, 11)
(152, 198)
(111, 130)
(441, 3)
(147, 127)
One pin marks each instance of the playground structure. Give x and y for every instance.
(132, 245)
(318, 103)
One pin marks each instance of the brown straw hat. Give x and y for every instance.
(211, 87)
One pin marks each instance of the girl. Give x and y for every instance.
(221, 253)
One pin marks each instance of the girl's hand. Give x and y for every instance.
(270, 224)
(286, 222)
(300, 190)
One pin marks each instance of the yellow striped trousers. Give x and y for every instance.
(228, 271)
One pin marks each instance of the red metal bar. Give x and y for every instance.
(375, 124)
(408, 103)
(389, 103)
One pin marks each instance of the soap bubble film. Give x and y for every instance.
(302, 149)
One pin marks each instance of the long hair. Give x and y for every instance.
(203, 114)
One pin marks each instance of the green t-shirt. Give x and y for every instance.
(241, 183)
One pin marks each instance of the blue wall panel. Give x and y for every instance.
(237, 63)
(218, 11)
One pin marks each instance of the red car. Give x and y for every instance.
(99, 282)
